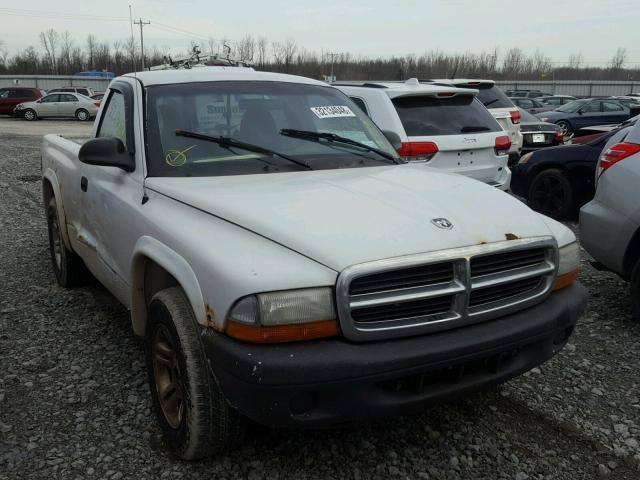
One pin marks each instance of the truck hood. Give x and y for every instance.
(349, 216)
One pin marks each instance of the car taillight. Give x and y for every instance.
(417, 151)
(558, 136)
(503, 144)
(97, 104)
(515, 117)
(614, 154)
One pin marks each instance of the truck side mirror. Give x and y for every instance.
(107, 152)
(394, 139)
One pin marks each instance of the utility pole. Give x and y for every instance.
(141, 23)
(332, 55)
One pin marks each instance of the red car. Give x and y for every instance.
(12, 96)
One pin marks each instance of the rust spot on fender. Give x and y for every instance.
(211, 316)
(511, 236)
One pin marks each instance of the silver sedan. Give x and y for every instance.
(59, 105)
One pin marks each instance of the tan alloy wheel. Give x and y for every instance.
(167, 377)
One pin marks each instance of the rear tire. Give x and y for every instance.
(551, 194)
(30, 115)
(635, 292)
(194, 415)
(82, 115)
(68, 267)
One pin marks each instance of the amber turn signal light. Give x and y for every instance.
(565, 280)
(282, 333)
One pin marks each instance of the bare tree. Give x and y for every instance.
(263, 44)
(4, 54)
(246, 48)
(514, 62)
(49, 40)
(130, 46)
(289, 50)
(576, 60)
(91, 50)
(619, 59)
(66, 45)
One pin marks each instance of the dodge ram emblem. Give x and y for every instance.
(442, 223)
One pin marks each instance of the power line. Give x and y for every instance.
(58, 15)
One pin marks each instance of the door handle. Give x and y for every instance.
(84, 183)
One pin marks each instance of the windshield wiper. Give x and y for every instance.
(474, 128)
(332, 137)
(491, 102)
(227, 142)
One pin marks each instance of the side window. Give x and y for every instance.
(611, 107)
(526, 103)
(17, 94)
(51, 98)
(360, 103)
(113, 121)
(591, 107)
(68, 98)
(4, 93)
(554, 101)
(83, 91)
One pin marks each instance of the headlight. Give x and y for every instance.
(545, 119)
(568, 264)
(19, 106)
(284, 316)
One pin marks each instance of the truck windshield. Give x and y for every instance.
(255, 113)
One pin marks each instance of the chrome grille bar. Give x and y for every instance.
(487, 281)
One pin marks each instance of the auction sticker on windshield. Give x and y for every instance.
(334, 111)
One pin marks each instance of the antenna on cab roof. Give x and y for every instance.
(196, 59)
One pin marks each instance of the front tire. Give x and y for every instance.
(194, 415)
(565, 127)
(82, 115)
(68, 268)
(30, 115)
(551, 194)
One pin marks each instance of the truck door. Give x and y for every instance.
(112, 197)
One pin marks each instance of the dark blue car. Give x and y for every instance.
(587, 113)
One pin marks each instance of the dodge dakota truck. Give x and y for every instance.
(285, 266)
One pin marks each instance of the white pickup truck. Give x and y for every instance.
(285, 266)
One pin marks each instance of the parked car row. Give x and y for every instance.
(33, 103)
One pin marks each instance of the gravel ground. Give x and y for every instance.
(74, 402)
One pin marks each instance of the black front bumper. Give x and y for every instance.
(327, 382)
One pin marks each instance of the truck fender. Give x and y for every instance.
(148, 248)
(50, 176)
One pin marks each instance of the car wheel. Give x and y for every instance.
(30, 114)
(68, 267)
(635, 292)
(194, 415)
(565, 128)
(551, 194)
(82, 115)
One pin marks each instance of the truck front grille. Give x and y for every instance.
(431, 292)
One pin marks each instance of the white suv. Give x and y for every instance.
(444, 126)
(497, 103)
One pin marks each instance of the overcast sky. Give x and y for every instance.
(371, 27)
